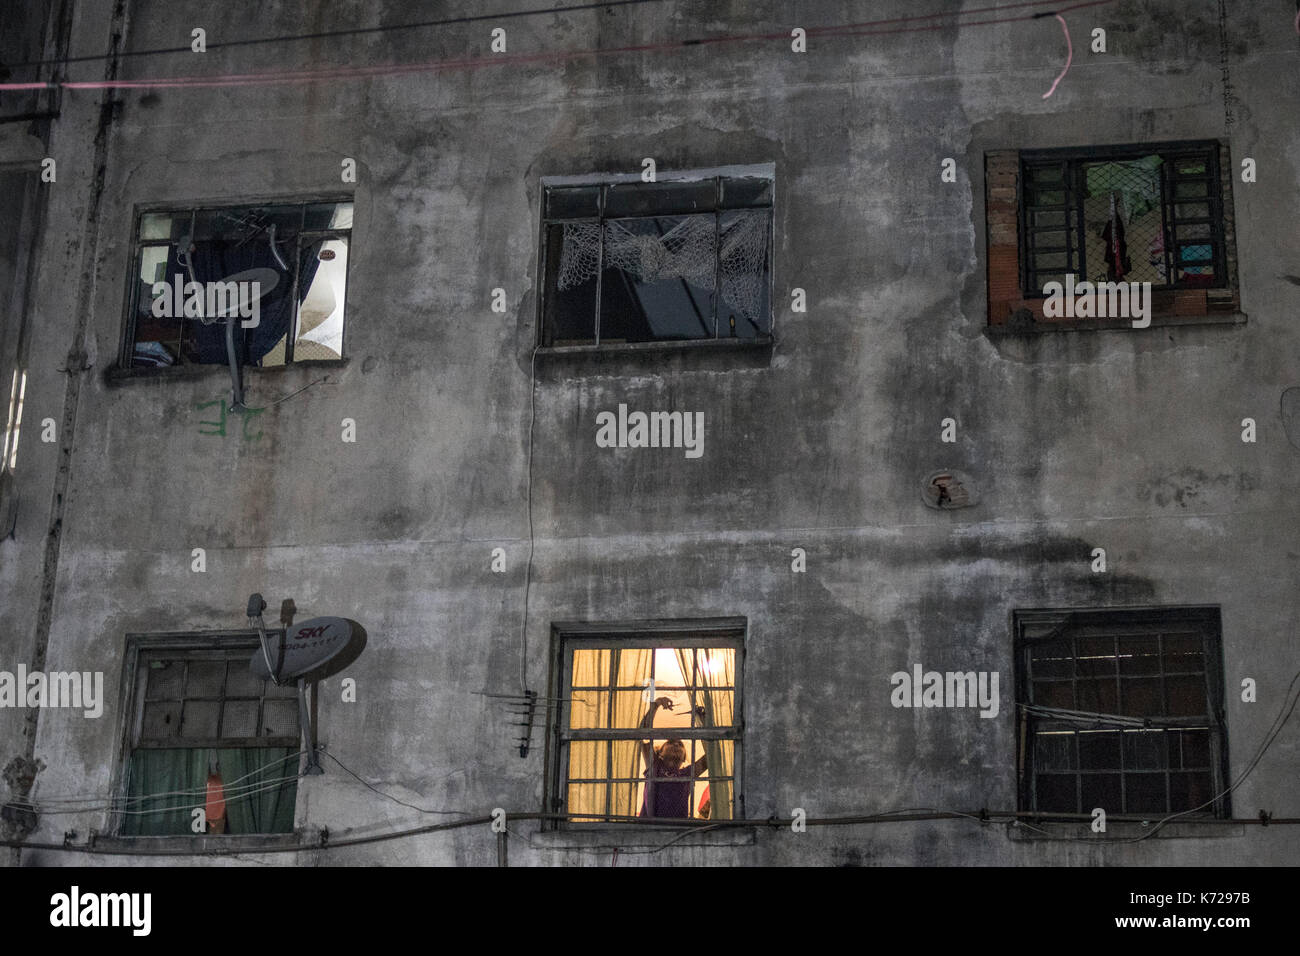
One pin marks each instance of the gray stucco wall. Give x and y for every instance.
(1125, 439)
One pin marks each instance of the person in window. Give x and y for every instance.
(668, 782)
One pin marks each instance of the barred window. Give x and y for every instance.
(296, 253)
(1132, 214)
(648, 725)
(206, 733)
(680, 259)
(1121, 709)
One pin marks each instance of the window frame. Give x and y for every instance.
(1013, 306)
(183, 644)
(126, 348)
(1034, 627)
(568, 636)
(765, 171)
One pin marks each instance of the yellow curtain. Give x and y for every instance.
(590, 710)
(716, 670)
(632, 670)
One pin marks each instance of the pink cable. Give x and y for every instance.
(1069, 56)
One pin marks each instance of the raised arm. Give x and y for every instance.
(647, 747)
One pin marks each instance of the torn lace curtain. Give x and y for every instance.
(697, 250)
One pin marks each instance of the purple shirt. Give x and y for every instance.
(672, 796)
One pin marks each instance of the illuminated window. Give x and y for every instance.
(289, 262)
(649, 723)
(206, 733)
(1121, 709)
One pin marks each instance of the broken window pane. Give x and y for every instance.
(238, 264)
(658, 279)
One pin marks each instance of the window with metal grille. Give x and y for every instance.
(647, 723)
(686, 258)
(295, 253)
(1121, 709)
(206, 733)
(1133, 214)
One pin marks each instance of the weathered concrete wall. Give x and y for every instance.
(1126, 439)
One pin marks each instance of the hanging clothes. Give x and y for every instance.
(1118, 263)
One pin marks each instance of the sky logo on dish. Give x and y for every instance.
(197, 300)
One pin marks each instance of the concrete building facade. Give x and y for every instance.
(378, 485)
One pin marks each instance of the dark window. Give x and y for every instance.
(1121, 709)
(297, 254)
(206, 733)
(618, 755)
(1133, 214)
(679, 260)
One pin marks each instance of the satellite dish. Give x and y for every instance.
(266, 279)
(312, 650)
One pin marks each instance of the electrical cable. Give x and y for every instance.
(310, 76)
(82, 798)
(1069, 55)
(387, 796)
(327, 34)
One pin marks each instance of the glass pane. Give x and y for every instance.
(630, 707)
(1054, 751)
(1049, 260)
(328, 215)
(1183, 652)
(1145, 750)
(1189, 749)
(661, 198)
(719, 708)
(1190, 167)
(280, 718)
(746, 191)
(1045, 174)
(588, 759)
(1046, 197)
(589, 709)
(161, 720)
(165, 679)
(1139, 655)
(1191, 190)
(658, 279)
(1200, 230)
(1142, 697)
(1055, 793)
(1054, 694)
(1096, 656)
(199, 719)
(205, 679)
(573, 202)
(164, 225)
(1097, 696)
(1048, 217)
(239, 719)
(247, 223)
(241, 682)
(1186, 696)
(1198, 210)
(572, 257)
(322, 291)
(1101, 790)
(1188, 790)
(745, 310)
(1099, 750)
(1144, 793)
(634, 667)
(587, 800)
(590, 667)
(289, 690)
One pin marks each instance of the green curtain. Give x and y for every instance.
(165, 786)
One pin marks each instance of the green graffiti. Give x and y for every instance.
(218, 427)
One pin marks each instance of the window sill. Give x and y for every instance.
(183, 373)
(1113, 325)
(582, 836)
(720, 355)
(233, 843)
(1120, 831)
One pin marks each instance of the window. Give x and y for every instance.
(687, 258)
(206, 733)
(616, 755)
(1121, 709)
(296, 253)
(1156, 213)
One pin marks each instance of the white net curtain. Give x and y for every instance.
(730, 246)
